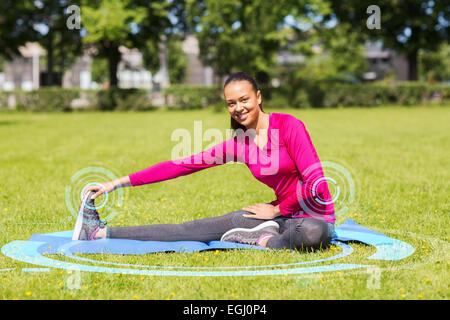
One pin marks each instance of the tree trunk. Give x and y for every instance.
(412, 65)
(50, 59)
(113, 56)
(112, 65)
(62, 56)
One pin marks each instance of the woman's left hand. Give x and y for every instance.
(262, 211)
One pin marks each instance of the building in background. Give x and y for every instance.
(385, 62)
(79, 75)
(196, 73)
(24, 73)
(131, 72)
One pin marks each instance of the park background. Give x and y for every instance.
(105, 83)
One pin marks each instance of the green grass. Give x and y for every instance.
(397, 156)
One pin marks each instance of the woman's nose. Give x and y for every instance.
(239, 107)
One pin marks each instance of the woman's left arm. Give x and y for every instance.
(262, 211)
(304, 155)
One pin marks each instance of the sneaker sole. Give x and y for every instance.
(257, 228)
(79, 222)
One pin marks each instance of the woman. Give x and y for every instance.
(278, 151)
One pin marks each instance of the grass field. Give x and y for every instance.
(397, 156)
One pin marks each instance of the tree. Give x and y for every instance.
(406, 25)
(338, 56)
(15, 26)
(62, 44)
(176, 59)
(99, 70)
(43, 21)
(165, 23)
(110, 24)
(246, 35)
(343, 52)
(435, 65)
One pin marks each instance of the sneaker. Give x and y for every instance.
(251, 236)
(88, 220)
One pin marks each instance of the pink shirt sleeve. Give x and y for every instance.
(219, 154)
(302, 151)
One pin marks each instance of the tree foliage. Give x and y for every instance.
(109, 24)
(435, 65)
(131, 23)
(245, 35)
(406, 25)
(16, 26)
(176, 59)
(234, 35)
(43, 21)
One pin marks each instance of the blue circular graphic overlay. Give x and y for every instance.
(93, 176)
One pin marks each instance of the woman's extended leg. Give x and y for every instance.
(204, 230)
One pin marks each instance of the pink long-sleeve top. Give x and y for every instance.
(288, 164)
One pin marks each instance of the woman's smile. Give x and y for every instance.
(242, 116)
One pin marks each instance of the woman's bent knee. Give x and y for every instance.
(312, 233)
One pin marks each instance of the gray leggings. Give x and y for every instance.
(295, 233)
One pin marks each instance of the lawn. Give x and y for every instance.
(398, 158)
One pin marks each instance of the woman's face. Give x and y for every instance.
(243, 102)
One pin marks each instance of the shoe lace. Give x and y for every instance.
(96, 216)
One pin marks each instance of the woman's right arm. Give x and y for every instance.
(214, 156)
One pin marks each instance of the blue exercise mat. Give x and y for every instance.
(35, 250)
(61, 242)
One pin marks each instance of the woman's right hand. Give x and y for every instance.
(99, 189)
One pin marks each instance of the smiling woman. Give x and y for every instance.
(281, 156)
(243, 100)
(245, 106)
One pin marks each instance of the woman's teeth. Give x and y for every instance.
(242, 116)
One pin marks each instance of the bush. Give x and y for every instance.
(4, 100)
(304, 94)
(316, 94)
(219, 106)
(329, 95)
(88, 100)
(49, 99)
(443, 90)
(349, 95)
(284, 97)
(124, 99)
(277, 100)
(61, 99)
(192, 97)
